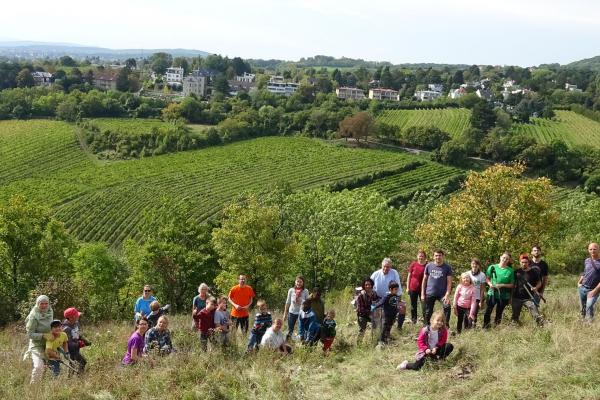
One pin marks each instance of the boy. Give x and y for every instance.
(156, 311)
(75, 340)
(56, 341)
(205, 322)
(273, 338)
(222, 322)
(328, 330)
(309, 326)
(390, 310)
(262, 321)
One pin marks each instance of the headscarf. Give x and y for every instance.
(36, 313)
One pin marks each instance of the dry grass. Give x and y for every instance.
(509, 362)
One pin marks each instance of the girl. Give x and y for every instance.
(414, 281)
(159, 338)
(501, 280)
(37, 324)
(365, 303)
(135, 344)
(464, 302)
(432, 343)
(293, 304)
(478, 278)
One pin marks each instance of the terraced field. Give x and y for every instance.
(43, 160)
(572, 128)
(452, 120)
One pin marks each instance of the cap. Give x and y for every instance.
(71, 313)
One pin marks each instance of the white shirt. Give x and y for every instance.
(433, 338)
(382, 281)
(272, 340)
(477, 280)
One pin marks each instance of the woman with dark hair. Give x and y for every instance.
(501, 279)
(293, 304)
(37, 324)
(135, 344)
(414, 281)
(365, 303)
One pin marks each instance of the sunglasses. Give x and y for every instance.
(147, 291)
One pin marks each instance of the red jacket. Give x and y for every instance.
(423, 340)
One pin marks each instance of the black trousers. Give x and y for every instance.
(429, 305)
(463, 319)
(388, 322)
(499, 304)
(441, 353)
(241, 322)
(414, 297)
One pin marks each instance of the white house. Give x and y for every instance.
(42, 78)
(436, 87)
(349, 93)
(384, 94)
(279, 86)
(485, 94)
(427, 95)
(457, 93)
(246, 78)
(174, 76)
(571, 88)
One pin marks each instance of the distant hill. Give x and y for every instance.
(587, 63)
(28, 49)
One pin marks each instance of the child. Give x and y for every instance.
(317, 304)
(75, 340)
(478, 278)
(159, 338)
(328, 330)
(365, 302)
(156, 312)
(222, 322)
(273, 338)
(432, 343)
(390, 310)
(464, 302)
(262, 321)
(205, 322)
(309, 326)
(56, 341)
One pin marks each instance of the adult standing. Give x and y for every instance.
(199, 301)
(37, 324)
(414, 281)
(293, 304)
(542, 265)
(382, 278)
(589, 282)
(241, 297)
(501, 281)
(142, 304)
(528, 282)
(437, 286)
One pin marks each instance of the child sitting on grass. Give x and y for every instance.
(76, 341)
(273, 338)
(432, 343)
(309, 326)
(465, 303)
(159, 338)
(328, 330)
(262, 321)
(56, 341)
(222, 322)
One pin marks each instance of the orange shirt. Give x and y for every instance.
(242, 296)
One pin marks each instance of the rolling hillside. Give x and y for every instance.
(572, 128)
(452, 120)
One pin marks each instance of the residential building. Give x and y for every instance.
(236, 86)
(246, 78)
(349, 93)
(279, 86)
(105, 80)
(485, 94)
(42, 78)
(174, 76)
(571, 88)
(436, 87)
(457, 93)
(195, 83)
(384, 94)
(427, 95)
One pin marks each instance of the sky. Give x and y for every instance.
(501, 32)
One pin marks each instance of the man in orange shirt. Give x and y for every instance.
(241, 297)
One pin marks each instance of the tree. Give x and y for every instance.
(182, 62)
(67, 61)
(592, 183)
(123, 79)
(159, 62)
(485, 219)
(483, 116)
(24, 78)
(453, 152)
(357, 126)
(131, 63)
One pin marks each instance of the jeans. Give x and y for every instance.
(255, 339)
(430, 304)
(463, 319)
(500, 304)
(292, 318)
(517, 305)
(54, 366)
(414, 297)
(587, 304)
(441, 353)
(204, 339)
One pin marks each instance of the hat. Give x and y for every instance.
(71, 313)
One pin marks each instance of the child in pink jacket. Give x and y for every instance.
(465, 304)
(432, 343)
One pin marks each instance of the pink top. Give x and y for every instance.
(465, 297)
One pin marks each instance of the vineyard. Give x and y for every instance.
(572, 128)
(452, 120)
(105, 201)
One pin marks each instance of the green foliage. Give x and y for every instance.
(424, 137)
(592, 183)
(453, 152)
(455, 121)
(483, 116)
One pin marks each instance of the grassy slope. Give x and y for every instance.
(452, 120)
(509, 362)
(568, 126)
(105, 201)
(137, 126)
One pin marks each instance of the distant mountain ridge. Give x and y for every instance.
(45, 49)
(587, 63)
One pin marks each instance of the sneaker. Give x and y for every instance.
(402, 365)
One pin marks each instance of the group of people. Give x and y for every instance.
(377, 302)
